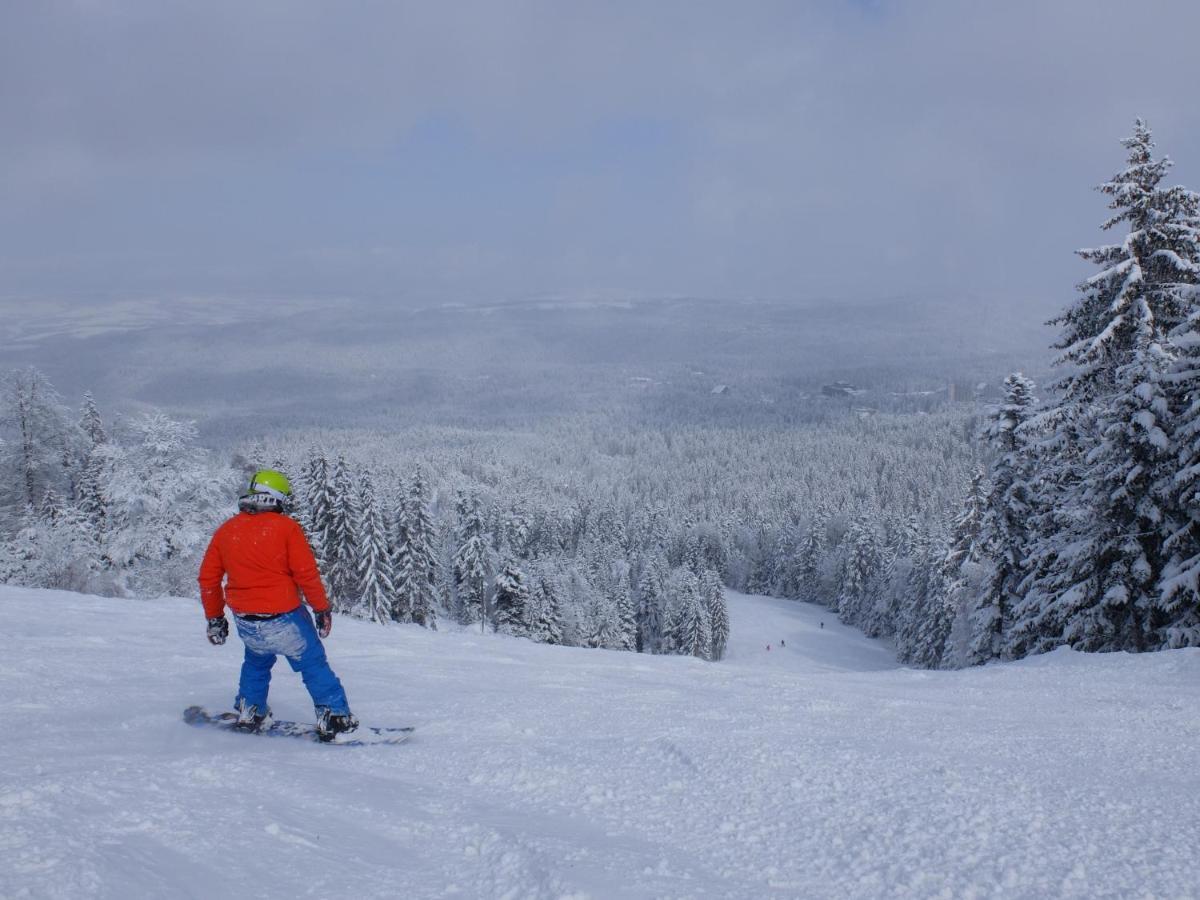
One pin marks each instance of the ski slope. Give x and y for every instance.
(819, 769)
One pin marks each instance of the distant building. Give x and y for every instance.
(840, 389)
(721, 389)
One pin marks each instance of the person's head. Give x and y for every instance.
(269, 491)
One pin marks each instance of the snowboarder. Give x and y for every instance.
(265, 561)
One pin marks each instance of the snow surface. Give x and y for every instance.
(818, 769)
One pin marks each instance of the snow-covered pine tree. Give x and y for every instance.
(922, 624)
(712, 592)
(300, 508)
(91, 498)
(340, 543)
(1095, 574)
(545, 613)
(1134, 458)
(418, 556)
(1004, 536)
(626, 612)
(511, 601)
(376, 596)
(762, 575)
(961, 576)
(93, 467)
(519, 534)
(1177, 610)
(91, 423)
(878, 606)
(1178, 619)
(651, 603)
(786, 553)
(601, 622)
(693, 631)
(1133, 293)
(35, 439)
(812, 552)
(858, 570)
(471, 562)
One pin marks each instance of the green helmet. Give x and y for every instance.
(268, 490)
(268, 481)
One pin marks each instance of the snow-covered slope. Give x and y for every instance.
(818, 769)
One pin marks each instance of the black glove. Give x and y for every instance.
(218, 630)
(324, 623)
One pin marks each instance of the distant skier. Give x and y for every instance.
(782, 644)
(768, 648)
(822, 624)
(267, 562)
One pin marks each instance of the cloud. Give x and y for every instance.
(478, 149)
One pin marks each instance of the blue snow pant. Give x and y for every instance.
(293, 636)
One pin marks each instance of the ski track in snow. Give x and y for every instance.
(817, 770)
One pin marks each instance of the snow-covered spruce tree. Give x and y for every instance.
(876, 619)
(1176, 622)
(762, 575)
(471, 562)
(786, 552)
(1178, 619)
(545, 613)
(36, 439)
(892, 580)
(1096, 575)
(962, 577)
(1004, 536)
(811, 552)
(619, 595)
(519, 535)
(511, 601)
(417, 557)
(91, 423)
(1136, 291)
(712, 592)
(1134, 458)
(94, 468)
(340, 543)
(923, 622)
(602, 627)
(651, 601)
(858, 570)
(376, 597)
(313, 502)
(691, 629)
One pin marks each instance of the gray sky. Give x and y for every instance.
(477, 151)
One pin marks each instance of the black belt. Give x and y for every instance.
(259, 617)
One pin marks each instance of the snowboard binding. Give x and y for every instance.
(250, 719)
(329, 726)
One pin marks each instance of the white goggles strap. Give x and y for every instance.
(260, 488)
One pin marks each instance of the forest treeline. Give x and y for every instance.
(600, 533)
(962, 536)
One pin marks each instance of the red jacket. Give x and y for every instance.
(268, 561)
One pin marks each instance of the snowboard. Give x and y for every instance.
(363, 736)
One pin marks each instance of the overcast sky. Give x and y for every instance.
(491, 150)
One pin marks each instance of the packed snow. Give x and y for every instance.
(815, 768)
